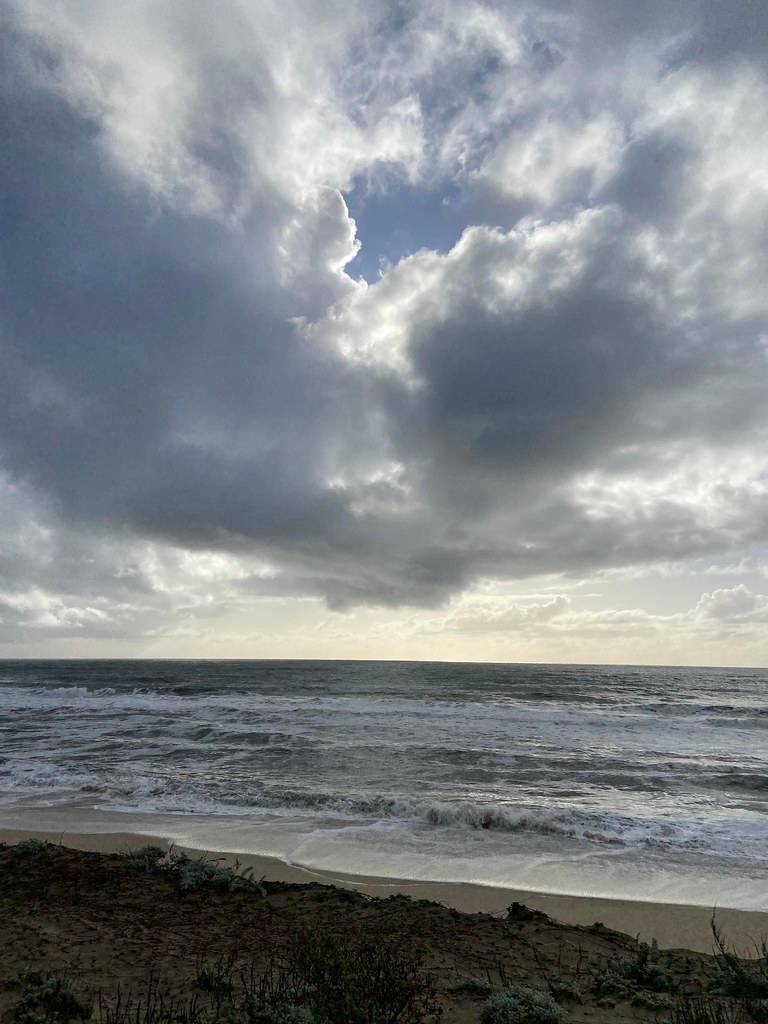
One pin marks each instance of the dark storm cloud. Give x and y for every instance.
(568, 375)
(184, 360)
(143, 384)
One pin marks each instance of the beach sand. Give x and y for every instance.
(673, 926)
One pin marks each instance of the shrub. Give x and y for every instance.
(747, 979)
(521, 1005)
(33, 846)
(157, 1006)
(48, 999)
(314, 978)
(565, 991)
(609, 982)
(705, 1010)
(354, 978)
(198, 872)
(216, 976)
(622, 978)
(650, 1000)
(285, 1013)
(757, 1009)
(472, 987)
(645, 970)
(146, 858)
(191, 872)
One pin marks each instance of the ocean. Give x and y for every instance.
(643, 783)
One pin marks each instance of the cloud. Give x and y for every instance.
(199, 404)
(734, 604)
(718, 615)
(39, 610)
(503, 616)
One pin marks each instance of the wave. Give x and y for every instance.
(407, 717)
(161, 793)
(602, 829)
(595, 703)
(568, 828)
(596, 713)
(495, 817)
(750, 782)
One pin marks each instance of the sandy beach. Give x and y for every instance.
(673, 926)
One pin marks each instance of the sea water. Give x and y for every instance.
(648, 783)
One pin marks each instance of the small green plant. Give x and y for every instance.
(48, 999)
(521, 1005)
(197, 873)
(146, 858)
(33, 846)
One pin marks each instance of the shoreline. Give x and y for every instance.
(672, 925)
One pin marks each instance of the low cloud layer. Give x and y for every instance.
(205, 413)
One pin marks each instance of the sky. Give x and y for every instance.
(418, 329)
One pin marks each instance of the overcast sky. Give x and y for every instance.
(384, 329)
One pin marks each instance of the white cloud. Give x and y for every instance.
(555, 161)
(208, 111)
(37, 609)
(502, 616)
(734, 604)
